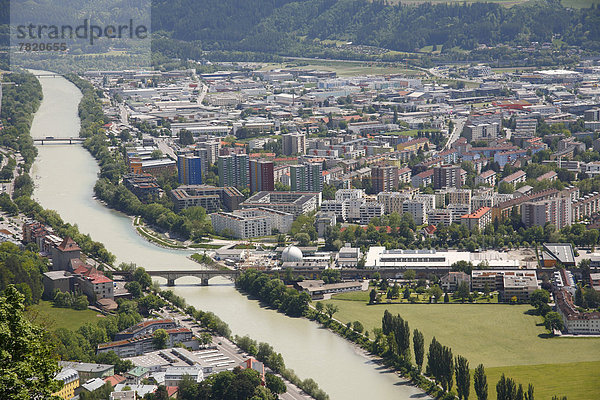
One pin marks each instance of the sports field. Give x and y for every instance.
(504, 338)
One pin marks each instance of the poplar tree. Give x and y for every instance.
(419, 348)
(463, 377)
(480, 383)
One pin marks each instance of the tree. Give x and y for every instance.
(141, 276)
(462, 291)
(275, 384)
(319, 307)
(506, 389)
(372, 296)
(331, 309)
(27, 364)
(156, 154)
(480, 383)
(328, 191)
(160, 338)
(134, 288)
(302, 238)
(539, 298)
(529, 394)
(410, 275)
(463, 377)
(357, 326)
(188, 388)
(419, 348)
(436, 292)
(553, 322)
(205, 338)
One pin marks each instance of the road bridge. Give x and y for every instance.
(47, 75)
(51, 139)
(204, 274)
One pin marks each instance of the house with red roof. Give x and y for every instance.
(93, 283)
(64, 253)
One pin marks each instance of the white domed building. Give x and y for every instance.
(291, 254)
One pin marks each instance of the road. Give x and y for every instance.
(229, 349)
(164, 145)
(455, 134)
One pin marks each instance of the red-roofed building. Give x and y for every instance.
(93, 283)
(114, 380)
(64, 253)
(255, 365)
(479, 219)
(429, 230)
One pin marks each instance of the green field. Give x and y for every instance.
(52, 317)
(503, 337)
(574, 380)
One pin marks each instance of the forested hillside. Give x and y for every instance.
(289, 27)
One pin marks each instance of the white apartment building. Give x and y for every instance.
(459, 196)
(418, 209)
(458, 210)
(486, 178)
(336, 207)
(392, 201)
(348, 194)
(439, 217)
(369, 211)
(481, 201)
(252, 222)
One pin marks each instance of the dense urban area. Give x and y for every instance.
(362, 194)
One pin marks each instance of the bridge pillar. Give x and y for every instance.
(70, 141)
(170, 281)
(204, 280)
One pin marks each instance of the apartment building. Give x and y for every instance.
(479, 219)
(370, 210)
(418, 209)
(233, 170)
(514, 178)
(211, 198)
(293, 143)
(447, 176)
(307, 177)
(486, 178)
(384, 178)
(295, 203)
(392, 201)
(261, 176)
(251, 222)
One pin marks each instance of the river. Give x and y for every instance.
(64, 176)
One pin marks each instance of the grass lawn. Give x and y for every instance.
(52, 317)
(495, 335)
(502, 337)
(577, 381)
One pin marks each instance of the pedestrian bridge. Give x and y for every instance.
(204, 275)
